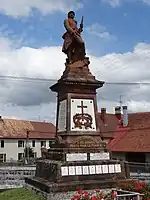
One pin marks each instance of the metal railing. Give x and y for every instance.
(139, 167)
(126, 195)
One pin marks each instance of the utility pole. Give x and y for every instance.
(27, 147)
(120, 101)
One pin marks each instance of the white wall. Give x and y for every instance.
(11, 148)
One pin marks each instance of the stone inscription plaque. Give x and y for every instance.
(105, 169)
(111, 168)
(99, 169)
(117, 168)
(86, 142)
(90, 169)
(85, 170)
(72, 170)
(100, 156)
(76, 156)
(62, 116)
(78, 170)
(64, 171)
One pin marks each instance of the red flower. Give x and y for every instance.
(73, 198)
(143, 183)
(86, 196)
(137, 184)
(86, 193)
(125, 185)
(77, 196)
(97, 190)
(80, 191)
(94, 198)
(113, 195)
(137, 188)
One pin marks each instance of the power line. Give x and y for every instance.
(33, 79)
(23, 78)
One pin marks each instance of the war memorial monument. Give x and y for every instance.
(79, 159)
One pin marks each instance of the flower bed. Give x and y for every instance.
(128, 189)
(137, 186)
(95, 195)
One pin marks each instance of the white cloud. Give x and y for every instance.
(116, 3)
(146, 1)
(26, 100)
(127, 67)
(113, 3)
(21, 8)
(99, 31)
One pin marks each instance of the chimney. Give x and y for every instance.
(103, 114)
(125, 116)
(118, 112)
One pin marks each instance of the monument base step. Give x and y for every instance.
(49, 187)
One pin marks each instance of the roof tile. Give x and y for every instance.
(12, 128)
(135, 137)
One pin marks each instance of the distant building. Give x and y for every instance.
(127, 134)
(13, 138)
(132, 142)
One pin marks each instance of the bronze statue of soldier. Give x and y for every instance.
(73, 45)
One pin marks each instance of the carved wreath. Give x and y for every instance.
(81, 120)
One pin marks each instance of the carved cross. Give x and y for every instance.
(82, 107)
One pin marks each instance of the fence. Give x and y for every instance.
(139, 167)
(13, 176)
(140, 171)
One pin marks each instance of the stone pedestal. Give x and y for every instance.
(79, 158)
(67, 169)
(77, 106)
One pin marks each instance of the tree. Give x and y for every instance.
(28, 152)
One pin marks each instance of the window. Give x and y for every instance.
(20, 156)
(51, 142)
(2, 143)
(20, 143)
(33, 143)
(43, 143)
(2, 158)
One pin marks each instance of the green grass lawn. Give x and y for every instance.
(19, 194)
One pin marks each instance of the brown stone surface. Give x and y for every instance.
(74, 186)
(78, 82)
(88, 142)
(48, 187)
(78, 68)
(77, 78)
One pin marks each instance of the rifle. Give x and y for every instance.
(81, 24)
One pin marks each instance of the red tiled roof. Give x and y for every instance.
(12, 128)
(135, 137)
(108, 127)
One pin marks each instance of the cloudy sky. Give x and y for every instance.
(117, 36)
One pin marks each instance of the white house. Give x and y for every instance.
(16, 134)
